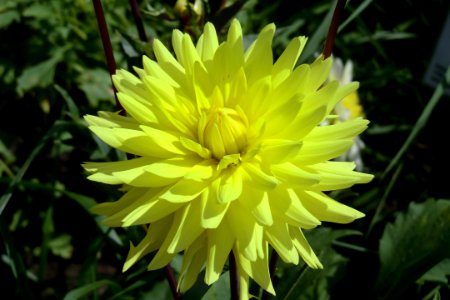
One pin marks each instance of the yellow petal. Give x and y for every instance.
(315, 152)
(288, 59)
(186, 226)
(274, 151)
(320, 69)
(279, 238)
(210, 42)
(303, 124)
(213, 211)
(230, 187)
(326, 208)
(304, 249)
(257, 202)
(111, 120)
(337, 175)
(220, 242)
(193, 260)
(168, 63)
(256, 177)
(287, 203)
(144, 209)
(195, 147)
(184, 191)
(142, 113)
(258, 270)
(153, 69)
(244, 229)
(293, 175)
(341, 130)
(151, 242)
(259, 57)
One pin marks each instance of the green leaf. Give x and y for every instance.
(58, 127)
(301, 282)
(61, 246)
(160, 290)
(40, 75)
(220, 290)
(73, 109)
(438, 273)
(96, 84)
(86, 289)
(8, 17)
(422, 120)
(414, 243)
(39, 11)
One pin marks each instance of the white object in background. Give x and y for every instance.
(441, 58)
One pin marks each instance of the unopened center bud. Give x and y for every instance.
(225, 132)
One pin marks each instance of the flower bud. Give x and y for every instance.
(225, 132)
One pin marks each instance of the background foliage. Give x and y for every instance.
(52, 72)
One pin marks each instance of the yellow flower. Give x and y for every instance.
(230, 155)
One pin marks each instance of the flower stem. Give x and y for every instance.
(172, 282)
(331, 36)
(107, 47)
(272, 268)
(138, 20)
(234, 279)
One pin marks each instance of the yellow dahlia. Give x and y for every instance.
(229, 155)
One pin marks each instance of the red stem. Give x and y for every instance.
(107, 47)
(234, 279)
(138, 20)
(172, 282)
(331, 36)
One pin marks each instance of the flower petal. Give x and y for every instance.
(337, 175)
(327, 209)
(287, 203)
(258, 269)
(315, 152)
(136, 208)
(220, 242)
(186, 227)
(279, 238)
(274, 151)
(292, 175)
(193, 260)
(287, 60)
(259, 57)
(213, 211)
(244, 229)
(256, 201)
(303, 247)
(151, 242)
(230, 186)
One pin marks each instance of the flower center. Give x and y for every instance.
(225, 132)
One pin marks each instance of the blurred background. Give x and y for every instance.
(53, 71)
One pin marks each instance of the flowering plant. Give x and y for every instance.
(229, 155)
